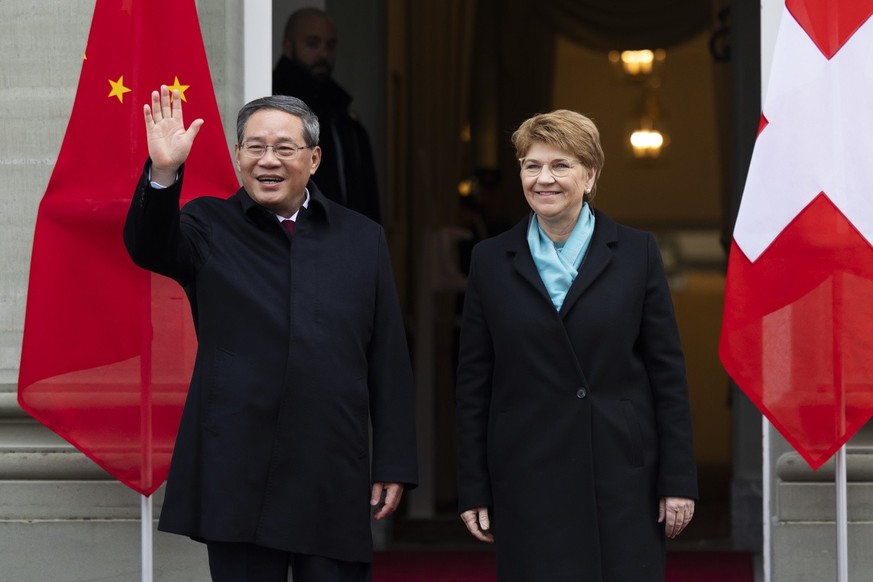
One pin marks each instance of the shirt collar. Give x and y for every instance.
(296, 212)
(316, 205)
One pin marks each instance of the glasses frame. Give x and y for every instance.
(245, 149)
(571, 162)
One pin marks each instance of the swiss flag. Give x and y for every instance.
(797, 333)
(108, 347)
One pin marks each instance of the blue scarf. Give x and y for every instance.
(558, 264)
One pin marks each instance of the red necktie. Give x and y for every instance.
(289, 225)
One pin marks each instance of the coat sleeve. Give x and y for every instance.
(665, 364)
(158, 236)
(475, 370)
(392, 392)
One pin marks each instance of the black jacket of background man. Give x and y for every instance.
(347, 173)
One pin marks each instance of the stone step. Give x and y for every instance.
(30, 500)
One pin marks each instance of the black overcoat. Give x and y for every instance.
(300, 347)
(573, 423)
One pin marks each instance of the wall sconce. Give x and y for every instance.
(637, 65)
(647, 136)
(646, 143)
(466, 188)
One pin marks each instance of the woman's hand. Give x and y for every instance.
(168, 141)
(478, 524)
(676, 513)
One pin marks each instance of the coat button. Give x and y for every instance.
(581, 393)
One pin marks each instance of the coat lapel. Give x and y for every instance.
(522, 259)
(599, 256)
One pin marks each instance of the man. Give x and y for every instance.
(347, 174)
(300, 342)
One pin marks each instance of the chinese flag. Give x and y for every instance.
(797, 334)
(108, 348)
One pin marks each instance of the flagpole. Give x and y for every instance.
(840, 470)
(765, 495)
(146, 528)
(147, 428)
(842, 517)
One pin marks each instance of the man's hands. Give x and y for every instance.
(169, 143)
(676, 513)
(392, 491)
(479, 524)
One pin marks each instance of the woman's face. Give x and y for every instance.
(554, 198)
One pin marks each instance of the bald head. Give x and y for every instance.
(310, 40)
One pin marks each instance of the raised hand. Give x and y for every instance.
(168, 141)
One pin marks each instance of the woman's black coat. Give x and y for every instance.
(573, 424)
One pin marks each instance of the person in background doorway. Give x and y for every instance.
(574, 425)
(348, 172)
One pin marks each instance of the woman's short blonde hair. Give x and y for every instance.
(566, 130)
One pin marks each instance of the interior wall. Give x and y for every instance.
(681, 189)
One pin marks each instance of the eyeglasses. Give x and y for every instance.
(557, 168)
(283, 151)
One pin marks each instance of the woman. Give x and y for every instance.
(572, 402)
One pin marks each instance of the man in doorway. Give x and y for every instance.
(347, 173)
(301, 351)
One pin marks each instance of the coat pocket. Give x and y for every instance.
(634, 435)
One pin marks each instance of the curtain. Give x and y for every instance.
(628, 24)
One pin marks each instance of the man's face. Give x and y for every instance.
(314, 44)
(274, 183)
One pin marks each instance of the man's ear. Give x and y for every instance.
(316, 159)
(288, 48)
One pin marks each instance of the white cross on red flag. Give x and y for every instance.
(797, 332)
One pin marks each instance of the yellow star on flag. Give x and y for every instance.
(176, 86)
(118, 89)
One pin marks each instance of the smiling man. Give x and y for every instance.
(301, 351)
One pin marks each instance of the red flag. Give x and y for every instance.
(797, 333)
(108, 348)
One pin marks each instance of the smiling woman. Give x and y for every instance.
(555, 188)
(568, 330)
(561, 159)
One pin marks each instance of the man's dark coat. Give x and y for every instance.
(573, 423)
(298, 344)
